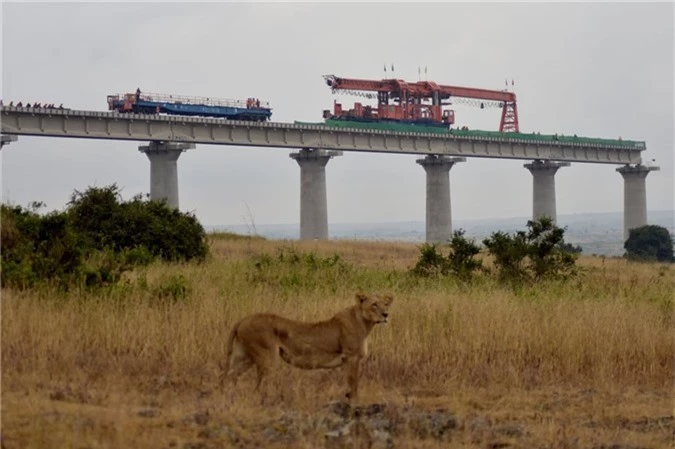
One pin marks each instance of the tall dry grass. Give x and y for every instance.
(166, 327)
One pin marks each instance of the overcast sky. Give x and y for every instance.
(600, 70)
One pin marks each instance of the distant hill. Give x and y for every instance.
(599, 233)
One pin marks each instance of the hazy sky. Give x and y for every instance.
(601, 70)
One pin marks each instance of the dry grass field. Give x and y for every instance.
(584, 364)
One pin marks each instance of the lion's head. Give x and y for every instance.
(375, 307)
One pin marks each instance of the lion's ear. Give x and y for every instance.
(361, 297)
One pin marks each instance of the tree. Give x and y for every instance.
(649, 243)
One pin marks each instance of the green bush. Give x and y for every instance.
(94, 240)
(431, 262)
(649, 243)
(460, 261)
(36, 248)
(540, 253)
(291, 269)
(104, 221)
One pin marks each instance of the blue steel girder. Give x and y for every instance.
(152, 127)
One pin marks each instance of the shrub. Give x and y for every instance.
(38, 248)
(510, 253)
(649, 243)
(95, 240)
(96, 214)
(462, 255)
(431, 262)
(536, 254)
(291, 269)
(459, 262)
(105, 221)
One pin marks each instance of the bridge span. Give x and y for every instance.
(171, 135)
(152, 127)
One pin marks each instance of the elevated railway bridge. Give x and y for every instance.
(169, 136)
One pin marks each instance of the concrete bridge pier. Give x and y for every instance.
(164, 169)
(6, 139)
(543, 187)
(634, 196)
(439, 214)
(313, 203)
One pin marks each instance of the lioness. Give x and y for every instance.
(259, 339)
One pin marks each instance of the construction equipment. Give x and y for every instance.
(417, 103)
(150, 103)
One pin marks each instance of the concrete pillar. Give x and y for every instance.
(6, 139)
(439, 215)
(313, 204)
(164, 169)
(634, 196)
(543, 187)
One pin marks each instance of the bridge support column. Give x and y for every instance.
(164, 169)
(6, 139)
(634, 196)
(439, 215)
(543, 187)
(313, 203)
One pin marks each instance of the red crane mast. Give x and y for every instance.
(417, 102)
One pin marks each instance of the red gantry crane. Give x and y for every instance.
(420, 102)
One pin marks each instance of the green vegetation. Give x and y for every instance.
(540, 253)
(533, 255)
(650, 243)
(227, 235)
(461, 260)
(94, 240)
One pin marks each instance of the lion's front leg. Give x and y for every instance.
(353, 369)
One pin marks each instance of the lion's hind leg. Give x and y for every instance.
(263, 356)
(264, 359)
(240, 361)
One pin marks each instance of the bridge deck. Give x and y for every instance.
(142, 127)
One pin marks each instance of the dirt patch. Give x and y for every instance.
(480, 419)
